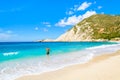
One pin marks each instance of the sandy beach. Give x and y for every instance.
(104, 67)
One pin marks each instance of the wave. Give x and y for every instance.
(103, 46)
(39, 65)
(10, 53)
(104, 49)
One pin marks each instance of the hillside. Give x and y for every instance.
(98, 27)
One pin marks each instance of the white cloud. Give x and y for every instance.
(72, 10)
(76, 8)
(72, 20)
(69, 12)
(47, 24)
(69, 21)
(88, 14)
(83, 6)
(99, 7)
(45, 30)
(36, 28)
(4, 35)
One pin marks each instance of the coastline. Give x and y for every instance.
(101, 67)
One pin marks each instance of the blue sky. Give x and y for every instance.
(31, 20)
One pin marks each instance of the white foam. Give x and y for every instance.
(103, 46)
(10, 53)
(13, 69)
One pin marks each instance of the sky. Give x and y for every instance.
(31, 20)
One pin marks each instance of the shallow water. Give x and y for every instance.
(23, 58)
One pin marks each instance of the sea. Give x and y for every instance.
(28, 58)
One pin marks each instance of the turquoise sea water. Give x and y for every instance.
(17, 50)
(23, 58)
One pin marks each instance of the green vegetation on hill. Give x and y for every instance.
(103, 26)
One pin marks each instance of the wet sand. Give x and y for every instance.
(104, 67)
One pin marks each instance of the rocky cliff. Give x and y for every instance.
(95, 28)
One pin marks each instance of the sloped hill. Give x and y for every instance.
(97, 27)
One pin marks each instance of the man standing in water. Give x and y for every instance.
(47, 51)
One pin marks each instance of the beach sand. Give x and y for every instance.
(104, 67)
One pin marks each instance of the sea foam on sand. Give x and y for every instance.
(14, 69)
(105, 67)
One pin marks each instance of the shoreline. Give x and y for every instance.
(79, 71)
(39, 65)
